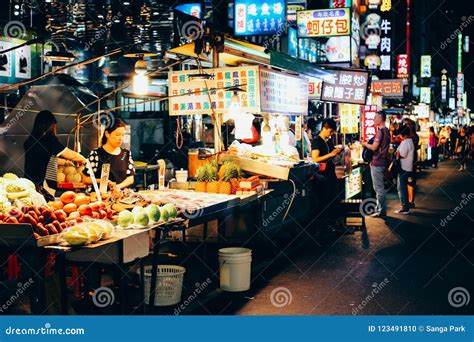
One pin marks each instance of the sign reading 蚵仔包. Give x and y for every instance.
(324, 23)
(350, 86)
(387, 88)
(253, 17)
(265, 91)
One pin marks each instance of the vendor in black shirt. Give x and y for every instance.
(121, 164)
(323, 151)
(41, 145)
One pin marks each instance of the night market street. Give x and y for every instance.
(407, 265)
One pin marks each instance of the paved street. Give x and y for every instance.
(406, 264)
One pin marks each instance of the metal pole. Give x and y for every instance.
(217, 116)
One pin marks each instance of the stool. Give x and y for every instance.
(353, 218)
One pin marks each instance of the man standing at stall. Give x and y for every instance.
(379, 162)
(323, 152)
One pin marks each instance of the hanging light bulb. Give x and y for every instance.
(140, 80)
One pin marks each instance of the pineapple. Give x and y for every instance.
(202, 178)
(230, 172)
(213, 185)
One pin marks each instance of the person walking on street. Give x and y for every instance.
(406, 154)
(462, 148)
(416, 143)
(379, 162)
(453, 137)
(433, 144)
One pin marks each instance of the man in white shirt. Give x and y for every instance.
(406, 154)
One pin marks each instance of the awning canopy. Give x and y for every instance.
(286, 62)
(235, 53)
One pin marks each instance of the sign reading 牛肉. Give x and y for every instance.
(324, 23)
(349, 87)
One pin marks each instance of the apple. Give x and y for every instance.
(85, 210)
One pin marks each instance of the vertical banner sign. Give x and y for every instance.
(444, 86)
(385, 45)
(460, 89)
(349, 117)
(368, 122)
(459, 53)
(402, 66)
(425, 95)
(425, 66)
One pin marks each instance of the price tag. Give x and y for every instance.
(161, 173)
(94, 181)
(298, 128)
(104, 178)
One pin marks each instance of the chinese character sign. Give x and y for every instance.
(188, 96)
(444, 90)
(425, 95)
(460, 89)
(353, 183)
(254, 17)
(349, 116)
(387, 88)
(324, 23)
(349, 87)
(402, 66)
(369, 128)
(283, 94)
(314, 88)
(425, 66)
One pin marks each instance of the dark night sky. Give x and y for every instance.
(433, 22)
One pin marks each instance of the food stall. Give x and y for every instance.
(270, 95)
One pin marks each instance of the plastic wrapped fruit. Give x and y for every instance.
(141, 218)
(125, 218)
(153, 212)
(164, 214)
(76, 238)
(171, 209)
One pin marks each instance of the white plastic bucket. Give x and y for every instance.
(234, 268)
